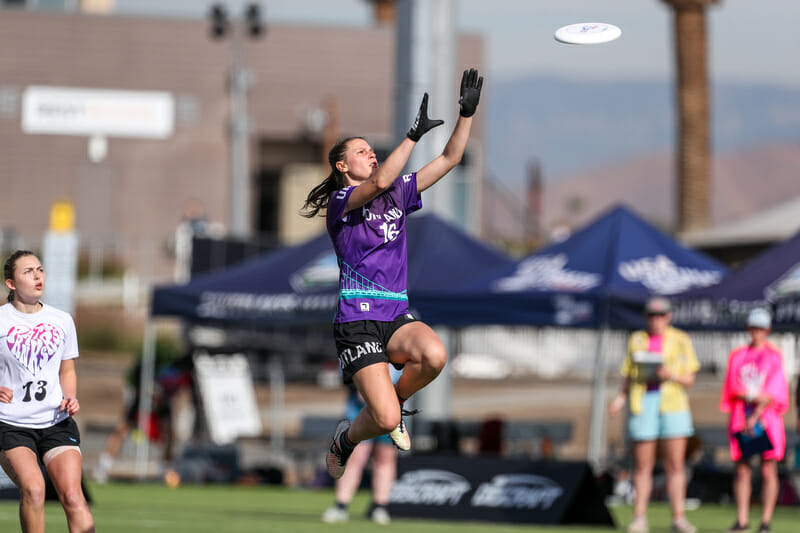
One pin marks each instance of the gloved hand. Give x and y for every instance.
(471, 86)
(422, 124)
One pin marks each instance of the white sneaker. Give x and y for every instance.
(681, 525)
(100, 476)
(639, 525)
(399, 435)
(380, 515)
(104, 464)
(335, 515)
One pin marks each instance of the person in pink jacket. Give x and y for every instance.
(756, 394)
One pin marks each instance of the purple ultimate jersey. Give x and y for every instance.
(370, 244)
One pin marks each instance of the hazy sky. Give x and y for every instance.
(749, 40)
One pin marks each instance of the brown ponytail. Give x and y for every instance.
(10, 265)
(318, 197)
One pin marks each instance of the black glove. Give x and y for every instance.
(470, 92)
(422, 124)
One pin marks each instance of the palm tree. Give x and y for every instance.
(693, 196)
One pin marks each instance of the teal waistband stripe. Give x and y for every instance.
(348, 294)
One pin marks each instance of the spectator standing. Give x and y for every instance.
(756, 394)
(659, 366)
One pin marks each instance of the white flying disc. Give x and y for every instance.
(587, 33)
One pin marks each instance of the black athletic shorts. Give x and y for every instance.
(363, 343)
(42, 440)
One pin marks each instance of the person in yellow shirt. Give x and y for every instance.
(658, 368)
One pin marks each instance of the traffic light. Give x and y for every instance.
(253, 18)
(219, 21)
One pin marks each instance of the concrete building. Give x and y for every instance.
(310, 85)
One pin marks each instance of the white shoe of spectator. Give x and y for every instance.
(639, 525)
(104, 463)
(335, 515)
(380, 515)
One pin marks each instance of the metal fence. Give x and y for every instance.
(562, 352)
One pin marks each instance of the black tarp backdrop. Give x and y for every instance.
(498, 490)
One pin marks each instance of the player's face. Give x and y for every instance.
(359, 162)
(28, 280)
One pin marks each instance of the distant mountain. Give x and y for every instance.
(743, 182)
(570, 125)
(604, 143)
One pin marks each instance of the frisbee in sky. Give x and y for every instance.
(587, 33)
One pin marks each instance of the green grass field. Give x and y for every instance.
(136, 508)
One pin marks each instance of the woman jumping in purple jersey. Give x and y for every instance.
(366, 207)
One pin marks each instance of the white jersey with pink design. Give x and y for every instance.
(32, 346)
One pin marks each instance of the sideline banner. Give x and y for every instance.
(229, 400)
(497, 490)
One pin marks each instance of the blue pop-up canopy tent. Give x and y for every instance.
(299, 284)
(771, 279)
(598, 277)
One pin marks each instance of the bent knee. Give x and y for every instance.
(436, 357)
(33, 494)
(72, 498)
(388, 421)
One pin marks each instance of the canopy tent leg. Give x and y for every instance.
(146, 378)
(277, 392)
(597, 426)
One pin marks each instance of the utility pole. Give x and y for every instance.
(239, 83)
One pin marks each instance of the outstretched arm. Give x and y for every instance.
(471, 85)
(386, 173)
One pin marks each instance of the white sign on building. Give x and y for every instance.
(113, 113)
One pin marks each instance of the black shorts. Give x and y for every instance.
(40, 440)
(363, 343)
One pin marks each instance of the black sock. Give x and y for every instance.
(345, 443)
(373, 506)
(342, 506)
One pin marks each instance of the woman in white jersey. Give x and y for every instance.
(38, 386)
(366, 207)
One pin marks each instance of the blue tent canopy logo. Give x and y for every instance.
(662, 276)
(321, 273)
(547, 273)
(786, 285)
